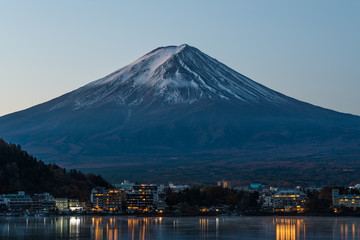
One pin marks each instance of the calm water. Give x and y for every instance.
(113, 228)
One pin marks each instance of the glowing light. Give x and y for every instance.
(74, 221)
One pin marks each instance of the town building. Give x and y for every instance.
(142, 197)
(43, 202)
(267, 201)
(113, 200)
(289, 201)
(107, 200)
(350, 201)
(96, 198)
(21, 202)
(75, 205)
(17, 202)
(62, 204)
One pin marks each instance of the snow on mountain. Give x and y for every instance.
(174, 74)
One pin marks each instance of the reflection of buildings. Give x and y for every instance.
(139, 228)
(111, 228)
(343, 229)
(204, 227)
(289, 201)
(350, 201)
(296, 229)
(289, 228)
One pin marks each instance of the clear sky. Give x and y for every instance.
(309, 50)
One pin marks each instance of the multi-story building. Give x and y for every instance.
(142, 197)
(96, 198)
(75, 205)
(62, 204)
(267, 202)
(38, 203)
(113, 200)
(43, 202)
(17, 202)
(289, 201)
(107, 200)
(350, 201)
(21, 202)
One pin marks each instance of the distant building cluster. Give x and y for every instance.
(126, 197)
(38, 203)
(294, 200)
(130, 198)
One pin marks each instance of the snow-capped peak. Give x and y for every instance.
(149, 62)
(173, 74)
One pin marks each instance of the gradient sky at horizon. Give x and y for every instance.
(309, 50)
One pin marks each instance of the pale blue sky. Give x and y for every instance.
(308, 49)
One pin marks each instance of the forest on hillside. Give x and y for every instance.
(20, 171)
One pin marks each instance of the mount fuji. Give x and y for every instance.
(179, 114)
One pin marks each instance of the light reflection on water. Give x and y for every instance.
(348, 229)
(140, 228)
(289, 229)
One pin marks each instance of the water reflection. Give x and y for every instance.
(204, 226)
(289, 229)
(74, 227)
(346, 229)
(116, 228)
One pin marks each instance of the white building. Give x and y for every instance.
(350, 201)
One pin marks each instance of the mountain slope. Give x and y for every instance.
(169, 106)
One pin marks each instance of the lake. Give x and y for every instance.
(114, 228)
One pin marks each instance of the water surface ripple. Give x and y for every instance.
(139, 228)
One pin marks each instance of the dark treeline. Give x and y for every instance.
(21, 172)
(191, 200)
